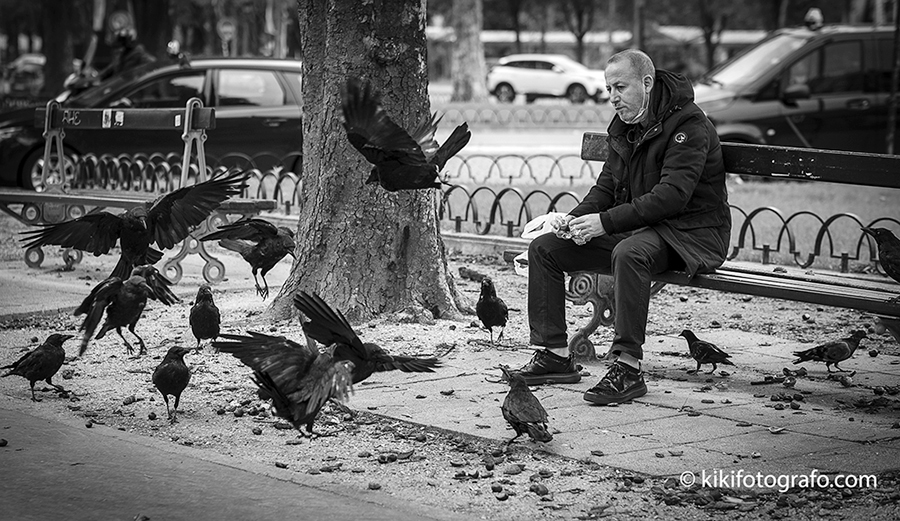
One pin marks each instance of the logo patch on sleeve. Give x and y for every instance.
(680, 137)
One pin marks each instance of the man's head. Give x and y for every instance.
(630, 76)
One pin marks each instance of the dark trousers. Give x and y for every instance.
(631, 258)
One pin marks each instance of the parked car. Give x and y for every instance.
(545, 76)
(258, 106)
(821, 88)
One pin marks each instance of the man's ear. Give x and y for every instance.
(648, 82)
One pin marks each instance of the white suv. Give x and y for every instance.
(545, 76)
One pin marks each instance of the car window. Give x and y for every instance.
(879, 64)
(841, 69)
(543, 66)
(745, 68)
(249, 88)
(521, 64)
(805, 70)
(295, 79)
(169, 91)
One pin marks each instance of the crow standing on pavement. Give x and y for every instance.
(832, 352)
(165, 222)
(297, 377)
(888, 251)
(41, 363)
(491, 309)
(259, 242)
(123, 301)
(522, 410)
(171, 376)
(401, 161)
(205, 319)
(330, 328)
(704, 352)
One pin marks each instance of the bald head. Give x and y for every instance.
(636, 60)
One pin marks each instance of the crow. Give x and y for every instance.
(171, 376)
(123, 301)
(205, 319)
(330, 328)
(491, 309)
(888, 251)
(41, 363)
(165, 221)
(259, 242)
(401, 161)
(704, 352)
(832, 352)
(522, 410)
(297, 377)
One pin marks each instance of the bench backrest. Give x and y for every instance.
(802, 164)
(126, 119)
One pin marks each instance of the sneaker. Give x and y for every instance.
(546, 367)
(621, 384)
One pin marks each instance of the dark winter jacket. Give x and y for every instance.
(671, 178)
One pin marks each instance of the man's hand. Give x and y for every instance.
(585, 228)
(560, 225)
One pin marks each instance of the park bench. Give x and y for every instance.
(872, 294)
(58, 202)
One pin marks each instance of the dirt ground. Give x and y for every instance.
(220, 412)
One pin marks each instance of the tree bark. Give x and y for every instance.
(467, 65)
(57, 50)
(364, 250)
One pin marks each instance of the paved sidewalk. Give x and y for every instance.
(686, 423)
(56, 469)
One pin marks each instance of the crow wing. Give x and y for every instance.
(172, 216)
(372, 132)
(96, 232)
(325, 325)
(249, 229)
(158, 283)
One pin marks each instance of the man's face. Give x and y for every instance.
(626, 90)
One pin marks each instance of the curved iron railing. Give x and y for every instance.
(562, 115)
(504, 210)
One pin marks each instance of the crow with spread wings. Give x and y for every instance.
(401, 161)
(297, 377)
(165, 222)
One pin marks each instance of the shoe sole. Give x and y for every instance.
(601, 399)
(565, 378)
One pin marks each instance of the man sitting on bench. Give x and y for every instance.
(660, 203)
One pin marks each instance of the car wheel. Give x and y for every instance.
(505, 93)
(577, 94)
(32, 170)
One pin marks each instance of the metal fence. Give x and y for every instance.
(491, 206)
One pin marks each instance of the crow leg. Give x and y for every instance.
(33, 397)
(128, 348)
(500, 336)
(168, 412)
(491, 331)
(713, 369)
(692, 371)
(259, 290)
(265, 293)
(143, 350)
(58, 388)
(839, 369)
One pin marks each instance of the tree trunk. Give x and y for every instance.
(467, 65)
(364, 250)
(58, 50)
(153, 25)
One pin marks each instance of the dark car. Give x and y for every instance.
(258, 115)
(825, 88)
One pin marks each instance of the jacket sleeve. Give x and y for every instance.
(601, 196)
(683, 162)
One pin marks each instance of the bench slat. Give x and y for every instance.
(802, 164)
(125, 119)
(121, 199)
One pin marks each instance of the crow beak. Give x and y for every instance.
(868, 231)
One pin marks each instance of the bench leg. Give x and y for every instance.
(890, 324)
(213, 269)
(596, 289)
